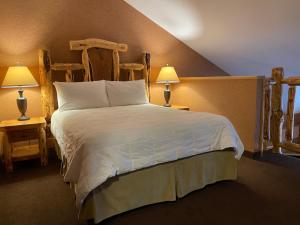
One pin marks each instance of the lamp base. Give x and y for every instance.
(22, 106)
(167, 95)
(23, 118)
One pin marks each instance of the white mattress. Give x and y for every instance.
(104, 142)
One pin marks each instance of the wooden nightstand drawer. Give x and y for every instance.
(22, 135)
(25, 150)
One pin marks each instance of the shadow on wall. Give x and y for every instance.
(28, 26)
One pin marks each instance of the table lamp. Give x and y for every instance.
(19, 77)
(167, 76)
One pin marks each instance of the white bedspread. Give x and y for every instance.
(103, 142)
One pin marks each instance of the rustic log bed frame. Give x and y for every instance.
(271, 135)
(101, 203)
(274, 119)
(109, 70)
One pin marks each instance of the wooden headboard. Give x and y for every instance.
(100, 61)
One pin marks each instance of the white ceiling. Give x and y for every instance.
(243, 37)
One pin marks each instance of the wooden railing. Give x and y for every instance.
(274, 120)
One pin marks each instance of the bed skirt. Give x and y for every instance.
(164, 182)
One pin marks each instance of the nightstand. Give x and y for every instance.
(180, 107)
(23, 140)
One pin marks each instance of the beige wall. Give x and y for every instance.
(237, 98)
(27, 26)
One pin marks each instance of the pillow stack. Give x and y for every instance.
(98, 94)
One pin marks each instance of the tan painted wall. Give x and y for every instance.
(27, 26)
(237, 98)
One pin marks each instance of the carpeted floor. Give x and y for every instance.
(267, 192)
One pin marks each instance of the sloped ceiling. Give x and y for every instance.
(243, 37)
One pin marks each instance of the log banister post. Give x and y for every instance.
(290, 114)
(277, 114)
(266, 113)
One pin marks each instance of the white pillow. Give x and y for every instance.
(81, 95)
(126, 92)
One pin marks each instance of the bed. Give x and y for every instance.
(123, 157)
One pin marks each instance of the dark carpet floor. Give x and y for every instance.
(267, 192)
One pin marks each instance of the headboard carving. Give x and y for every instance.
(69, 68)
(100, 61)
(91, 43)
(101, 64)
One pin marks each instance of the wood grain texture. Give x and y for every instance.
(1, 143)
(46, 84)
(97, 43)
(19, 124)
(266, 114)
(7, 149)
(43, 144)
(69, 68)
(102, 64)
(93, 43)
(100, 61)
(290, 114)
(147, 71)
(132, 66)
(13, 130)
(116, 61)
(293, 147)
(277, 114)
(274, 132)
(86, 64)
(291, 81)
(131, 75)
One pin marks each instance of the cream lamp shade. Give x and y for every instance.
(18, 77)
(167, 75)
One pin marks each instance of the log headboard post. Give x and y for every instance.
(277, 114)
(147, 71)
(46, 84)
